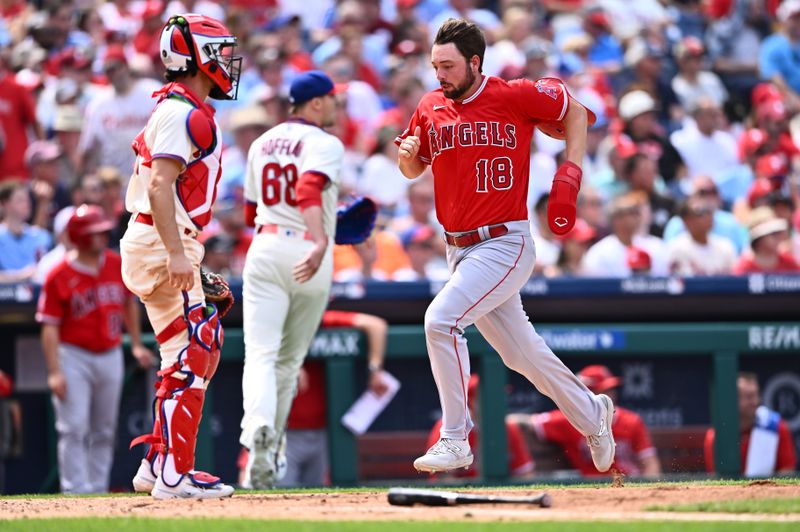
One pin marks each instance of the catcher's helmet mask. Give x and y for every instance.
(222, 68)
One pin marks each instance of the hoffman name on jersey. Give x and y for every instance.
(282, 146)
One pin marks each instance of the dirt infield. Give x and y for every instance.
(601, 503)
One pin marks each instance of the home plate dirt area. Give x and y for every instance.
(586, 503)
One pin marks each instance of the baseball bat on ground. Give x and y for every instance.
(411, 496)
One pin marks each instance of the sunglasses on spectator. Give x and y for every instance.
(700, 211)
(630, 211)
(707, 192)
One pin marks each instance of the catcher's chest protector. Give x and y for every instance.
(197, 185)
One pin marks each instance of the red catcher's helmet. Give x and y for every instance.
(193, 42)
(87, 220)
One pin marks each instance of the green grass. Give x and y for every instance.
(746, 506)
(234, 525)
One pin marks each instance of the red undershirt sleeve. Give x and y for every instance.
(309, 189)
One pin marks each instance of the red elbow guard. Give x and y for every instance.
(561, 208)
(309, 189)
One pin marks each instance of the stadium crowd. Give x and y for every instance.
(692, 165)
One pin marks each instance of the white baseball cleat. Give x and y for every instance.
(145, 479)
(445, 455)
(602, 445)
(194, 485)
(262, 468)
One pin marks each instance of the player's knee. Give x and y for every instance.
(436, 322)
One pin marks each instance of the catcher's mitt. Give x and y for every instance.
(354, 222)
(217, 291)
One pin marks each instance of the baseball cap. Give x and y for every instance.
(765, 189)
(254, 115)
(61, 218)
(416, 234)
(281, 21)
(787, 10)
(68, 118)
(690, 45)
(771, 110)
(637, 259)
(763, 222)
(636, 103)
(640, 49)
(536, 48)
(581, 232)
(598, 17)
(765, 92)
(115, 52)
(310, 85)
(42, 151)
(598, 378)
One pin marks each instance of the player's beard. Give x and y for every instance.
(459, 90)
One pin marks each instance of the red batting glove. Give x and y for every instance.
(561, 208)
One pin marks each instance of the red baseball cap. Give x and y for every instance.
(637, 259)
(765, 92)
(598, 378)
(760, 188)
(115, 52)
(771, 110)
(689, 46)
(580, 232)
(598, 17)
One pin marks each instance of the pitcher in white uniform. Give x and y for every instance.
(291, 189)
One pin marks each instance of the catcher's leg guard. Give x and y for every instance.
(180, 394)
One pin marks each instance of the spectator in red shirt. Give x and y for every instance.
(82, 308)
(767, 231)
(306, 443)
(520, 463)
(774, 453)
(635, 455)
(17, 116)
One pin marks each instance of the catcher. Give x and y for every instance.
(170, 196)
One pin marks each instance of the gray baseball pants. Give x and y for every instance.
(484, 289)
(86, 420)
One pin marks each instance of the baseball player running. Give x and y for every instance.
(170, 196)
(475, 132)
(82, 307)
(291, 189)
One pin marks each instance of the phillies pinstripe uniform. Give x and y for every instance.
(281, 315)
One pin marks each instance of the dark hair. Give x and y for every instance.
(541, 203)
(631, 163)
(8, 187)
(467, 37)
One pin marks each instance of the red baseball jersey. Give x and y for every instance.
(519, 458)
(309, 407)
(630, 434)
(479, 148)
(87, 306)
(786, 459)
